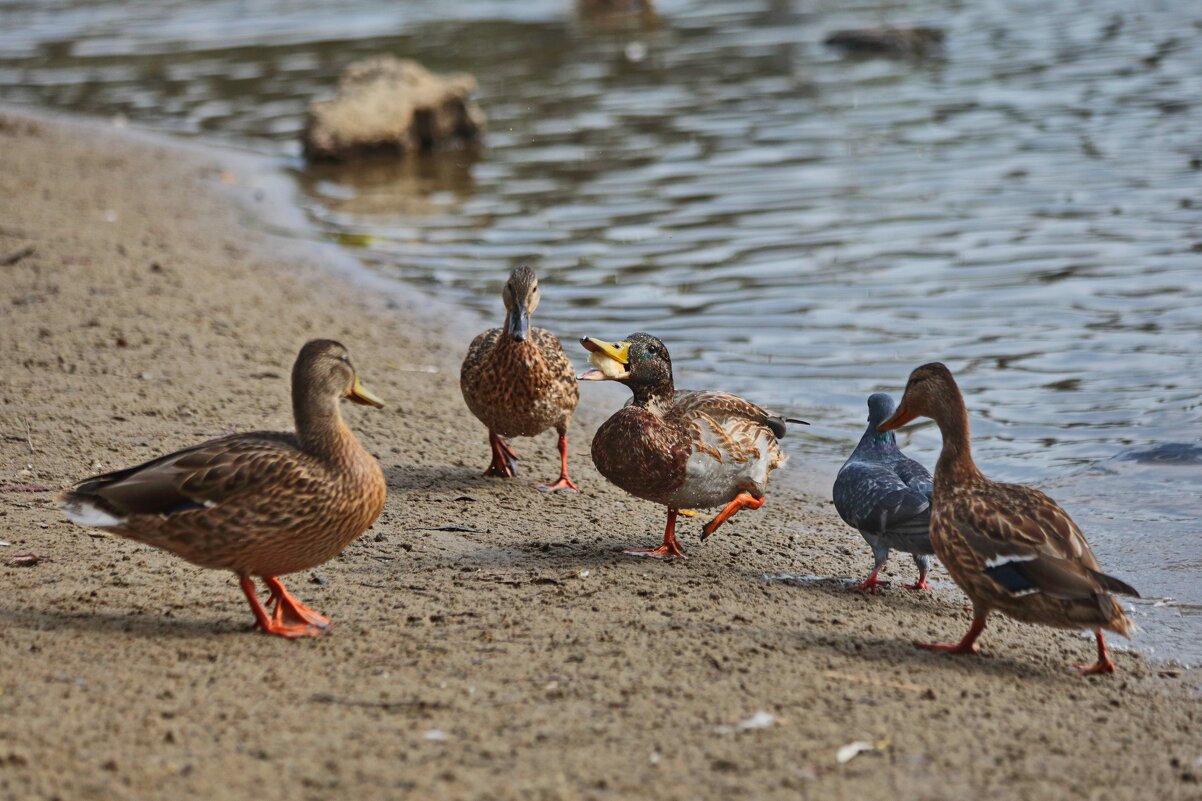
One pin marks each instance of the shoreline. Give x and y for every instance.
(147, 317)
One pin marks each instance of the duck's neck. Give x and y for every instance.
(654, 397)
(320, 428)
(955, 460)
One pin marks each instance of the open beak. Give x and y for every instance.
(898, 418)
(609, 360)
(360, 394)
(517, 324)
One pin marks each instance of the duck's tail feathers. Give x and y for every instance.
(1111, 584)
(85, 511)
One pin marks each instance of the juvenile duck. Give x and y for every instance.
(684, 449)
(262, 503)
(1009, 547)
(886, 496)
(518, 381)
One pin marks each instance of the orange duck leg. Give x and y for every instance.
(670, 546)
(504, 458)
(743, 500)
(278, 624)
(564, 483)
(1103, 665)
(288, 610)
(968, 645)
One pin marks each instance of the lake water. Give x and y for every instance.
(798, 225)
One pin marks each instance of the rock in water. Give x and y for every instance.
(915, 42)
(392, 105)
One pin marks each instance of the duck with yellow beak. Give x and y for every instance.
(1010, 548)
(685, 449)
(260, 503)
(518, 381)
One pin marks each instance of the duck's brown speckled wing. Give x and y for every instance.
(732, 426)
(563, 390)
(206, 475)
(1015, 548)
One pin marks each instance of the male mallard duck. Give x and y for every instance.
(886, 496)
(262, 503)
(683, 448)
(1009, 547)
(518, 381)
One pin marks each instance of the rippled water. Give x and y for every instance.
(798, 225)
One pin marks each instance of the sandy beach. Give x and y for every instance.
(489, 641)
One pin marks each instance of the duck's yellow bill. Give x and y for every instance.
(360, 394)
(618, 351)
(609, 360)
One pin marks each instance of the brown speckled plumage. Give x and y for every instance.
(519, 389)
(1011, 548)
(258, 504)
(684, 449)
(646, 450)
(518, 381)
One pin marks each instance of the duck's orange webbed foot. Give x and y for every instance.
(504, 458)
(670, 547)
(966, 646)
(743, 500)
(288, 610)
(564, 483)
(1103, 665)
(921, 584)
(279, 623)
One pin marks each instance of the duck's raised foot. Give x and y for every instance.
(921, 584)
(744, 500)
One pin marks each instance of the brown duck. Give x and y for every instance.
(262, 503)
(519, 383)
(1009, 547)
(684, 449)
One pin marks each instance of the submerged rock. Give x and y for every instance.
(392, 105)
(889, 41)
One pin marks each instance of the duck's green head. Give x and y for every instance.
(640, 360)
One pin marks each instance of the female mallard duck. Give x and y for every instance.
(262, 503)
(683, 448)
(518, 381)
(886, 496)
(1009, 547)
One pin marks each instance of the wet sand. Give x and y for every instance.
(471, 655)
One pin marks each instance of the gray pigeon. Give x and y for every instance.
(886, 496)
